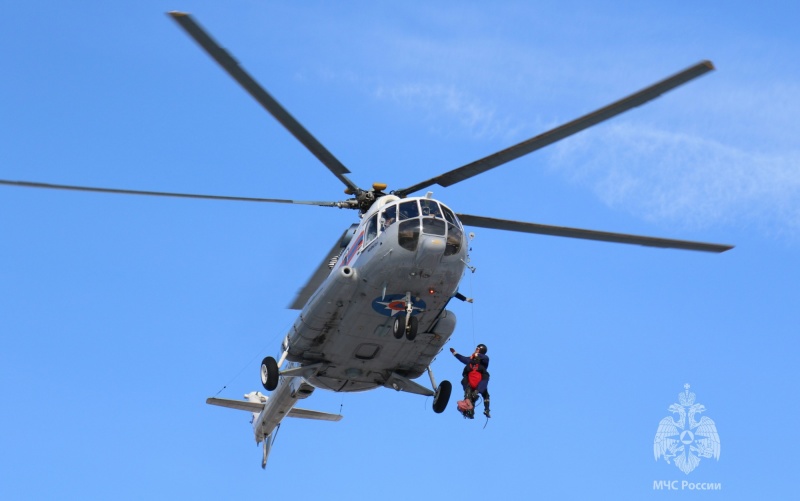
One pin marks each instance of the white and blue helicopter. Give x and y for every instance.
(374, 313)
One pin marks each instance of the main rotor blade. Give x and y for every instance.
(28, 184)
(269, 103)
(561, 132)
(563, 231)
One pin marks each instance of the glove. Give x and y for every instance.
(452, 351)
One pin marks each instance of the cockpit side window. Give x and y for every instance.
(372, 230)
(448, 214)
(388, 216)
(454, 234)
(454, 238)
(409, 209)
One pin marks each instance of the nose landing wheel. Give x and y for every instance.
(411, 328)
(402, 328)
(399, 326)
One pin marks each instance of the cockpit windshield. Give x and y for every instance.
(430, 208)
(455, 235)
(423, 216)
(409, 209)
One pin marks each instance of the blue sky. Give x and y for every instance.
(120, 315)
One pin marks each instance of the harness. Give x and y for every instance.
(474, 374)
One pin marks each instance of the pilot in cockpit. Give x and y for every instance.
(388, 217)
(430, 209)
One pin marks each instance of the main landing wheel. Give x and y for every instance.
(399, 326)
(442, 397)
(269, 373)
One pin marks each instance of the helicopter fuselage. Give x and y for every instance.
(405, 259)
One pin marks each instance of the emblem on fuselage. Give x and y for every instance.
(393, 304)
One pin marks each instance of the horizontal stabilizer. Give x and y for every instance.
(242, 405)
(307, 414)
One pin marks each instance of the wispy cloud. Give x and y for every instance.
(447, 102)
(684, 178)
(734, 161)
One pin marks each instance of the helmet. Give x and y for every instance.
(482, 348)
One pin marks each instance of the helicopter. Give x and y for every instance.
(374, 313)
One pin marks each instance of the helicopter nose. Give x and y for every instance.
(429, 251)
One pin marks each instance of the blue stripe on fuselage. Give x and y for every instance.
(354, 249)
